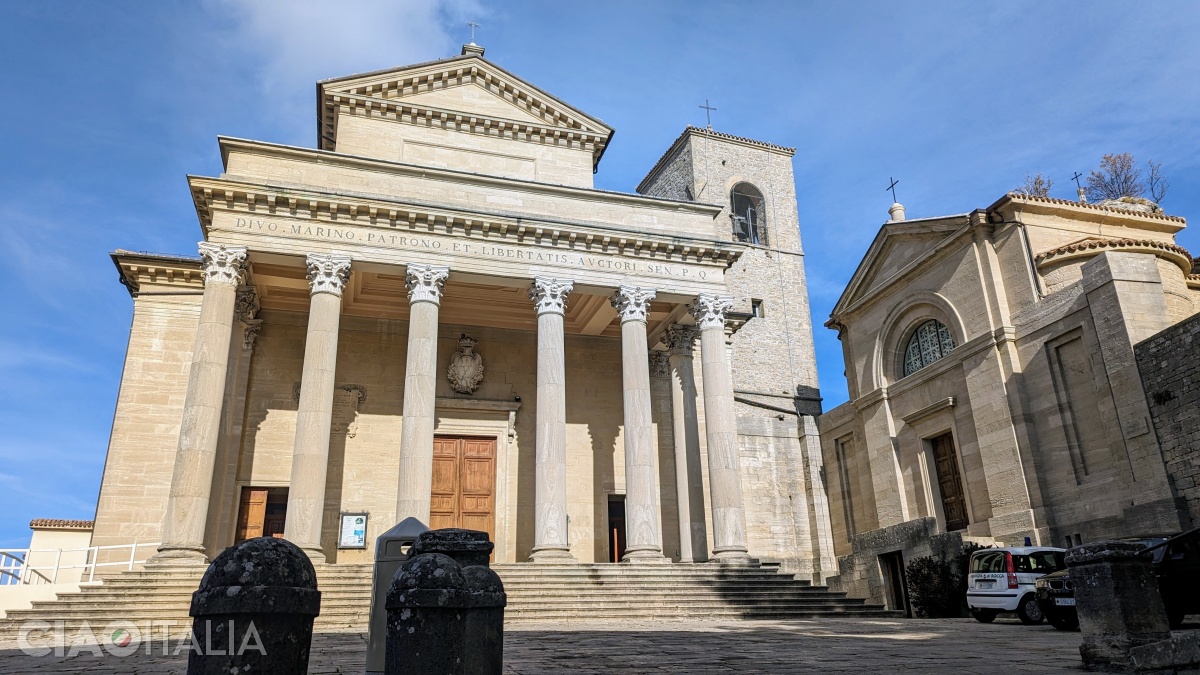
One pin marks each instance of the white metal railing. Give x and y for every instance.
(26, 566)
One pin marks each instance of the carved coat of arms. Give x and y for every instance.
(466, 367)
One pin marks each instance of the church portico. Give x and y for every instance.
(435, 303)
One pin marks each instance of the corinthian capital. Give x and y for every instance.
(328, 273)
(250, 334)
(660, 365)
(223, 264)
(425, 283)
(246, 306)
(709, 310)
(632, 302)
(680, 339)
(549, 296)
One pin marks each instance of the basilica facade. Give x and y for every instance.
(435, 314)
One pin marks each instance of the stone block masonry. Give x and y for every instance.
(1169, 364)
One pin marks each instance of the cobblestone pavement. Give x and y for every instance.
(822, 646)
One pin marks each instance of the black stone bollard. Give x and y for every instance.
(254, 610)
(1117, 599)
(446, 608)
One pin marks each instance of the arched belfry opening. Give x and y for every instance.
(748, 215)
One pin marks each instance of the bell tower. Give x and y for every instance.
(775, 379)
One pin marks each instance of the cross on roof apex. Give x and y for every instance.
(472, 48)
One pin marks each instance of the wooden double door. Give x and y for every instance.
(464, 484)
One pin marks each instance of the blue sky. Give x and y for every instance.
(108, 106)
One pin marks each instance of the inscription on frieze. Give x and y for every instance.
(395, 241)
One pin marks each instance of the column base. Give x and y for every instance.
(651, 556)
(552, 555)
(178, 557)
(315, 555)
(741, 558)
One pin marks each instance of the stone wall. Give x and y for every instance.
(1169, 364)
(862, 574)
(145, 435)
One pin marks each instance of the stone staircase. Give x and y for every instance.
(535, 593)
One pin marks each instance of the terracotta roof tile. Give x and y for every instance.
(1098, 244)
(61, 524)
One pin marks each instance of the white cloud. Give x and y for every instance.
(294, 43)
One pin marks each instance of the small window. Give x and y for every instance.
(746, 212)
(930, 342)
(756, 307)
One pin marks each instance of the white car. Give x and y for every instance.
(1003, 580)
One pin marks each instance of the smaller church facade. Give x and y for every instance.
(994, 391)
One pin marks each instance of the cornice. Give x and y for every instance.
(136, 268)
(928, 410)
(228, 143)
(952, 361)
(870, 398)
(210, 194)
(1089, 212)
(474, 123)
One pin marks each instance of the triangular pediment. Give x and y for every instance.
(898, 247)
(473, 98)
(468, 85)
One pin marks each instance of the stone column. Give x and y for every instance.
(191, 483)
(327, 276)
(550, 486)
(689, 481)
(425, 284)
(724, 467)
(642, 536)
(224, 502)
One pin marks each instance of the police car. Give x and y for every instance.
(1003, 580)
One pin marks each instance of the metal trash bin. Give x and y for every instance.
(389, 556)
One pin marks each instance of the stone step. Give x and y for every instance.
(566, 574)
(562, 615)
(567, 591)
(363, 600)
(535, 593)
(631, 606)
